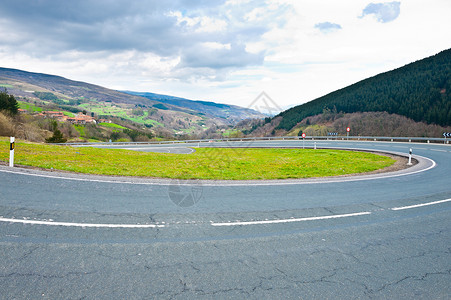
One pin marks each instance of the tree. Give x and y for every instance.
(57, 135)
(8, 102)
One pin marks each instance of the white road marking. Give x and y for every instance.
(438, 150)
(73, 178)
(141, 149)
(239, 223)
(236, 223)
(166, 182)
(420, 205)
(68, 224)
(156, 148)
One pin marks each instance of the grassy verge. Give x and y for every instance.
(205, 163)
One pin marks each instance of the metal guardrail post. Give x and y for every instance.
(336, 138)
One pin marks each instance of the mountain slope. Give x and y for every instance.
(420, 91)
(232, 113)
(59, 93)
(63, 86)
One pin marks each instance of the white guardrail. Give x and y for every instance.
(313, 138)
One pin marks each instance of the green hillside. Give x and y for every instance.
(161, 115)
(419, 91)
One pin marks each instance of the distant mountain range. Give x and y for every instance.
(420, 91)
(153, 110)
(231, 113)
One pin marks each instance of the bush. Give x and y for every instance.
(6, 126)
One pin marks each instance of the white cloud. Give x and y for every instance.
(226, 51)
(327, 27)
(384, 12)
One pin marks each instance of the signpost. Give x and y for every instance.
(446, 135)
(347, 132)
(11, 151)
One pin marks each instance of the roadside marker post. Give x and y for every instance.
(446, 135)
(11, 151)
(303, 140)
(410, 157)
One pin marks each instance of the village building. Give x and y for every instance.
(81, 119)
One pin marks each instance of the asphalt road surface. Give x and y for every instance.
(94, 237)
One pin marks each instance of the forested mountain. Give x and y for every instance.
(419, 91)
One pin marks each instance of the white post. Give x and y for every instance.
(315, 145)
(11, 151)
(410, 157)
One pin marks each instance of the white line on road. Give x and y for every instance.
(167, 149)
(238, 223)
(67, 224)
(420, 205)
(165, 182)
(438, 150)
(291, 220)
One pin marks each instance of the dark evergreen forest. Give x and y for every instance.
(419, 91)
(8, 103)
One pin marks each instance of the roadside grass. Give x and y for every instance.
(205, 163)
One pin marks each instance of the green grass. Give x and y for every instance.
(230, 132)
(29, 107)
(205, 163)
(80, 129)
(112, 125)
(118, 111)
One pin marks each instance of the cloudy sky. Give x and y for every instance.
(226, 51)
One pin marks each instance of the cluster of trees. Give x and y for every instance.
(46, 96)
(57, 136)
(8, 103)
(370, 124)
(420, 91)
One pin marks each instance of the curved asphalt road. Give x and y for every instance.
(65, 236)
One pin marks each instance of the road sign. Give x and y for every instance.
(332, 133)
(303, 135)
(447, 134)
(348, 129)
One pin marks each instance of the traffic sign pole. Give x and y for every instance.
(11, 151)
